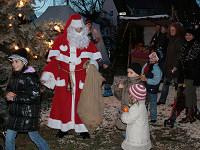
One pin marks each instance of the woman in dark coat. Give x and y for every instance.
(23, 94)
(190, 70)
(171, 61)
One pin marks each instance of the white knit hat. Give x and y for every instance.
(138, 92)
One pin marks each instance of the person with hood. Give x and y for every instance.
(23, 94)
(66, 71)
(189, 71)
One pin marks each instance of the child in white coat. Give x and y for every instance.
(137, 131)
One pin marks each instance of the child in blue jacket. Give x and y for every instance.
(151, 75)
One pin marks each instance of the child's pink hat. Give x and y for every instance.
(138, 91)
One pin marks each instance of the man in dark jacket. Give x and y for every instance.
(154, 39)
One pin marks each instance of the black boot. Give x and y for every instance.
(61, 134)
(85, 135)
(189, 116)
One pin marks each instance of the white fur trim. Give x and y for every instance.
(49, 79)
(52, 53)
(57, 124)
(92, 61)
(63, 48)
(60, 82)
(76, 23)
(73, 59)
(90, 55)
(81, 84)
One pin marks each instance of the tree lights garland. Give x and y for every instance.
(37, 40)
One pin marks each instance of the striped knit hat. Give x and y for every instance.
(138, 92)
(20, 54)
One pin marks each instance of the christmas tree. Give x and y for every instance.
(19, 30)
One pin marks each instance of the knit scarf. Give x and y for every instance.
(149, 67)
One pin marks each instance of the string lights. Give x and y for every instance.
(16, 47)
(57, 28)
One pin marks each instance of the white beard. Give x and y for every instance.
(78, 40)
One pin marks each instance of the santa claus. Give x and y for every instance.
(66, 73)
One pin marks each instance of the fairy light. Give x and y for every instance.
(57, 28)
(10, 25)
(16, 47)
(51, 43)
(21, 4)
(35, 56)
(27, 49)
(20, 15)
(10, 17)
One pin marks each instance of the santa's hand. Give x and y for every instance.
(48, 80)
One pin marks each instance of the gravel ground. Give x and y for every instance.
(182, 136)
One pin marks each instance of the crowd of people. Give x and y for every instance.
(177, 59)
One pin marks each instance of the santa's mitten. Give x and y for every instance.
(48, 80)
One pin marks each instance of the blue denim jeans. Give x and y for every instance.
(34, 136)
(152, 98)
(107, 86)
(165, 88)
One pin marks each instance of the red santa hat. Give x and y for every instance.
(74, 21)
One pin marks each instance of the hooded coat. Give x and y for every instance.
(65, 71)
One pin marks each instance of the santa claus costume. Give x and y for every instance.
(65, 71)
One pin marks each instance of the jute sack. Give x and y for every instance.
(91, 106)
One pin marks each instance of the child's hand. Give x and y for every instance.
(144, 78)
(10, 96)
(121, 85)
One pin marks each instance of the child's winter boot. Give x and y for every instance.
(105, 94)
(110, 92)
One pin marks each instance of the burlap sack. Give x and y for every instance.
(91, 106)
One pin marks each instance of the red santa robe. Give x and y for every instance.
(65, 60)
